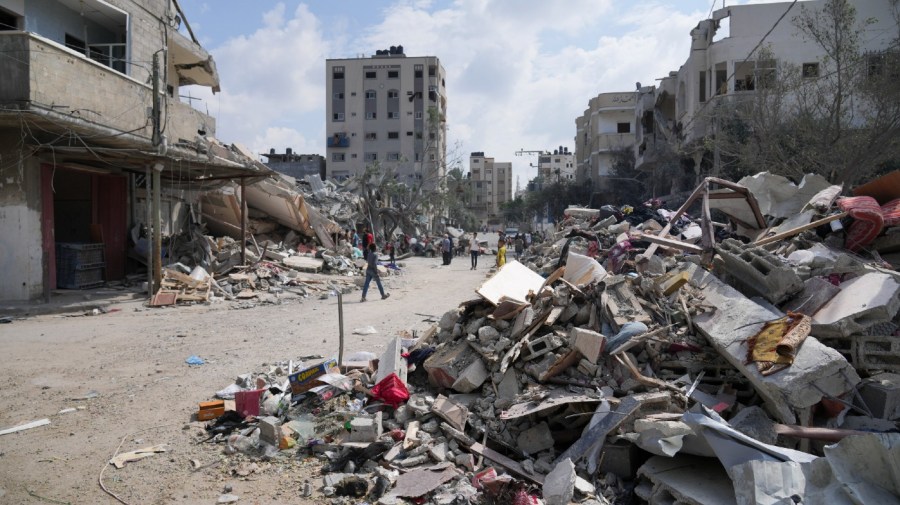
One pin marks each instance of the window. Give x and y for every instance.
(418, 114)
(8, 21)
(393, 115)
(393, 94)
(371, 157)
(418, 71)
(623, 127)
(393, 74)
(418, 156)
(339, 96)
(432, 157)
(371, 136)
(337, 156)
(337, 72)
(353, 93)
(393, 156)
(353, 156)
(337, 116)
(432, 89)
(370, 115)
(810, 70)
(432, 70)
(431, 136)
(370, 94)
(765, 73)
(701, 87)
(393, 135)
(371, 74)
(409, 134)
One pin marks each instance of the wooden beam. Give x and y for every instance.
(800, 229)
(670, 242)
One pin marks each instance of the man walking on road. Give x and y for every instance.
(474, 250)
(372, 273)
(447, 249)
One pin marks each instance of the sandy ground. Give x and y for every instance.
(134, 358)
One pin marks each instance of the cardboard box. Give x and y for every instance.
(210, 410)
(306, 379)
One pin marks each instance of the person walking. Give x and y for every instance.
(474, 250)
(501, 253)
(519, 245)
(447, 249)
(391, 251)
(372, 273)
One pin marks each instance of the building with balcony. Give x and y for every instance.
(296, 165)
(89, 118)
(491, 183)
(606, 126)
(387, 110)
(726, 64)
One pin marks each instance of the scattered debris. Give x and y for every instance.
(26, 426)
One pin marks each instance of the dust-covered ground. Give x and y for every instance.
(146, 395)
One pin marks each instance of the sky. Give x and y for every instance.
(518, 71)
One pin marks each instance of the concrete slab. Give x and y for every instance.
(514, 280)
(688, 480)
(817, 369)
(863, 301)
(391, 362)
(759, 270)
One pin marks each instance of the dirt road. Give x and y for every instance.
(134, 359)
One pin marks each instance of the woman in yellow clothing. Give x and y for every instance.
(501, 253)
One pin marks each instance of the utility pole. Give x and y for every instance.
(155, 265)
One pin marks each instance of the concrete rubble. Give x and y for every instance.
(669, 364)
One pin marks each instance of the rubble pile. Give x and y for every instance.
(639, 355)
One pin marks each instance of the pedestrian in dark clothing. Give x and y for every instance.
(372, 273)
(447, 249)
(391, 251)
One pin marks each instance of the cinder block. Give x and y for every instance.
(542, 346)
(874, 352)
(622, 458)
(472, 377)
(759, 270)
(366, 429)
(881, 394)
(270, 430)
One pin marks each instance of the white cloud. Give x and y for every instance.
(518, 71)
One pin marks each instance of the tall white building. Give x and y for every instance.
(388, 109)
(491, 188)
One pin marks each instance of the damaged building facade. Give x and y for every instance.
(95, 145)
(606, 126)
(739, 50)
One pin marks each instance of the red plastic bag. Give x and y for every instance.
(391, 390)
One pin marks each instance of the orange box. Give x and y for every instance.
(210, 410)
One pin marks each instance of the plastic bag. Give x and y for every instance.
(391, 390)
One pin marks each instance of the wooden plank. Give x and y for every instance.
(510, 464)
(26, 426)
(800, 229)
(672, 243)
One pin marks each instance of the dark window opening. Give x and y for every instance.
(8, 21)
(810, 70)
(623, 127)
(432, 70)
(393, 74)
(371, 74)
(75, 43)
(393, 135)
(702, 87)
(337, 72)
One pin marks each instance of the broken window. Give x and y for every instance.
(810, 70)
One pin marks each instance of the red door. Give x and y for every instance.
(110, 209)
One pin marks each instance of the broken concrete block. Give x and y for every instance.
(755, 423)
(863, 301)
(538, 369)
(487, 334)
(589, 343)
(535, 439)
(759, 270)
(471, 377)
(508, 387)
(523, 320)
(270, 430)
(391, 361)
(541, 346)
(438, 452)
(454, 413)
(816, 293)
(443, 366)
(817, 370)
(449, 319)
(466, 461)
(881, 395)
(587, 368)
(621, 458)
(559, 485)
(365, 428)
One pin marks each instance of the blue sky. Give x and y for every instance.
(518, 71)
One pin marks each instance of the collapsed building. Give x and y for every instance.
(747, 354)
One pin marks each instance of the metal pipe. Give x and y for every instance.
(340, 298)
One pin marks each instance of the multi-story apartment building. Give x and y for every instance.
(388, 109)
(727, 63)
(557, 167)
(607, 125)
(296, 165)
(89, 116)
(491, 188)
